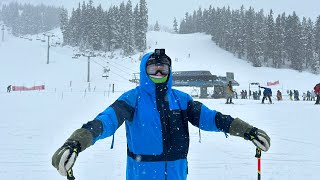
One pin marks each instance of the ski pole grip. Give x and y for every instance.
(70, 175)
(258, 153)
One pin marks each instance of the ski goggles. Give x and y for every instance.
(153, 69)
(157, 64)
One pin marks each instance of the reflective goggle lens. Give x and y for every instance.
(153, 69)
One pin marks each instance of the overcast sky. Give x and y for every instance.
(165, 10)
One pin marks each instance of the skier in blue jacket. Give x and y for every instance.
(156, 118)
(267, 93)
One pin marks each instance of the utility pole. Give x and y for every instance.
(2, 32)
(89, 56)
(51, 35)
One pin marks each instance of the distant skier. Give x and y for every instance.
(296, 95)
(308, 96)
(317, 92)
(313, 96)
(279, 96)
(290, 94)
(304, 96)
(230, 93)
(156, 119)
(267, 93)
(9, 88)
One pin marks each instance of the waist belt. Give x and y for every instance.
(154, 158)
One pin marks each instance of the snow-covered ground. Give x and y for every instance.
(35, 123)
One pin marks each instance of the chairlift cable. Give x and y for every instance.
(118, 65)
(111, 71)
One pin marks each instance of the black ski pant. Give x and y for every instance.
(318, 99)
(265, 97)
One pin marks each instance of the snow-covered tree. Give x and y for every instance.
(156, 27)
(175, 25)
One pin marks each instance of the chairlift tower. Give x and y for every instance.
(91, 54)
(48, 35)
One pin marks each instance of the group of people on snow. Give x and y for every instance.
(267, 94)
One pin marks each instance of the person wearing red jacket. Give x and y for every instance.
(317, 92)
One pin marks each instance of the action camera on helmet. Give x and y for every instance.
(159, 57)
(159, 52)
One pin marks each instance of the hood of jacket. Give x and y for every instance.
(145, 82)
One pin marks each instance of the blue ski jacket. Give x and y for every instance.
(156, 119)
(266, 91)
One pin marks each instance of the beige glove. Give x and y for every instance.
(64, 158)
(258, 137)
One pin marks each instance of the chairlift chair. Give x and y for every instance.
(76, 56)
(106, 72)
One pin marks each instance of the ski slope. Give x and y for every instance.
(35, 123)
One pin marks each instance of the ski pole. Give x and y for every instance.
(70, 175)
(258, 156)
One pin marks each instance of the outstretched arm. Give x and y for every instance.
(204, 118)
(104, 125)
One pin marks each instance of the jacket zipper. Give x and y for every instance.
(165, 171)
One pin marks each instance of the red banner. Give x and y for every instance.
(272, 83)
(23, 88)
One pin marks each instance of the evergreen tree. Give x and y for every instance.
(242, 35)
(115, 27)
(30, 19)
(250, 38)
(122, 17)
(85, 27)
(304, 40)
(270, 40)
(156, 27)
(99, 35)
(206, 21)
(228, 38)
(317, 43)
(295, 54)
(77, 27)
(144, 24)
(260, 36)
(64, 25)
(129, 30)
(199, 21)
(309, 44)
(105, 33)
(283, 22)
(182, 29)
(137, 27)
(235, 30)
(279, 42)
(72, 29)
(175, 25)
(218, 28)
